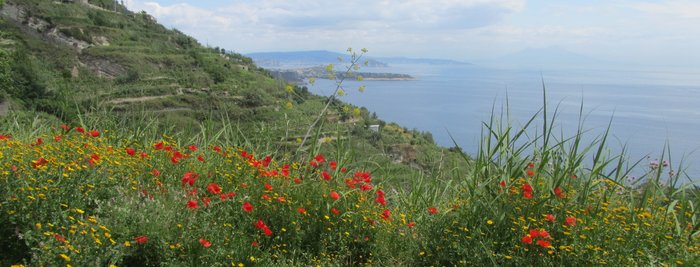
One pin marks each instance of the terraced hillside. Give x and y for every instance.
(77, 60)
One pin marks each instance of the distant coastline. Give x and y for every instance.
(299, 75)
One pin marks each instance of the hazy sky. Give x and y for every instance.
(651, 32)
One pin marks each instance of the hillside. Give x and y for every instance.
(81, 62)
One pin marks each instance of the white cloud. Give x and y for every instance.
(662, 30)
(674, 8)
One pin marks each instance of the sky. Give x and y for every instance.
(641, 32)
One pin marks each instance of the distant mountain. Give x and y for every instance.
(546, 57)
(305, 59)
(299, 59)
(429, 61)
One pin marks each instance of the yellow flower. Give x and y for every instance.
(65, 257)
(489, 222)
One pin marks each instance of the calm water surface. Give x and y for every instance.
(647, 108)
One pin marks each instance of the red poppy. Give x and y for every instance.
(130, 151)
(217, 149)
(543, 243)
(320, 158)
(214, 188)
(254, 243)
(285, 170)
(205, 243)
(94, 133)
(206, 201)
(301, 210)
(380, 198)
(57, 138)
(158, 146)
(502, 184)
(344, 170)
(526, 239)
(192, 148)
(141, 239)
(335, 211)
(227, 195)
(80, 129)
(549, 217)
(558, 192)
(527, 191)
(200, 158)
(65, 127)
(267, 231)
(155, 172)
(386, 214)
(530, 173)
(297, 180)
(544, 234)
(247, 207)
(192, 204)
(39, 141)
(59, 238)
(313, 163)
(570, 221)
(39, 162)
(260, 224)
(335, 195)
(366, 187)
(189, 178)
(174, 160)
(143, 155)
(534, 233)
(333, 165)
(531, 165)
(268, 187)
(326, 176)
(432, 210)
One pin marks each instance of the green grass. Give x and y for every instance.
(441, 216)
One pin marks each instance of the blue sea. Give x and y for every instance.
(648, 108)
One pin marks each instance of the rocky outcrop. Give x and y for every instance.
(37, 26)
(41, 28)
(103, 67)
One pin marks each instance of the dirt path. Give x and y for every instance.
(4, 107)
(136, 99)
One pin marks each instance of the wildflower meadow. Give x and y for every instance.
(80, 196)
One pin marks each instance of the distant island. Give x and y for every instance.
(305, 59)
(298, 75)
